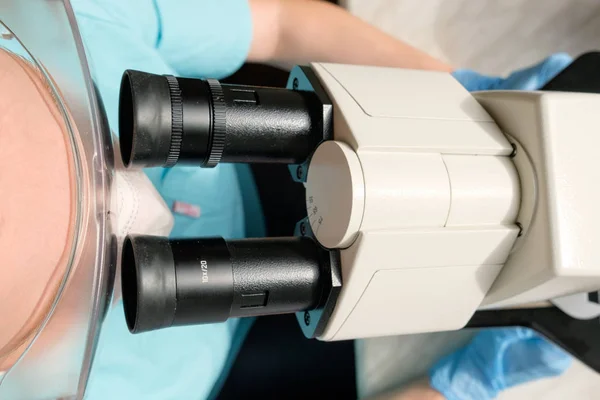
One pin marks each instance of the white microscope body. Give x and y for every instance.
(444, 202)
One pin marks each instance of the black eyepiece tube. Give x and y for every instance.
(195, 281)
(165, 121)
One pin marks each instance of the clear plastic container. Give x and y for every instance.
(53, 359)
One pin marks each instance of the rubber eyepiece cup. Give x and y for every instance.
(146, 119)
(148, 283)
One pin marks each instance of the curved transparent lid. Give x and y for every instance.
(41, 206)
(56, 261)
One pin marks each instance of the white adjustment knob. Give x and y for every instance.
(335, 194)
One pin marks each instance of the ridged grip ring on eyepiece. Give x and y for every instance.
(219, 124)
(176, 121)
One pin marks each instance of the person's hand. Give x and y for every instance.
(531, 78)
(417, 391)
(299, 32)
(495, 360)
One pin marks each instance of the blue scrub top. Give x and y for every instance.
(194, 38)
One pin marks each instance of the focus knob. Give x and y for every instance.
(335, 194)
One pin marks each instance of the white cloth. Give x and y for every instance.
(136, 208)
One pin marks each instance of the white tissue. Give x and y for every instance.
(136, 208)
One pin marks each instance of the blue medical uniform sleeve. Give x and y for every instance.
(201, 38)
(206, 38)
(183, 362)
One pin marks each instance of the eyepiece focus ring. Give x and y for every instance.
(176, 121)
(219, 124)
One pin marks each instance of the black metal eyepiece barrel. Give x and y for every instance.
(165, 120)
(194, 281)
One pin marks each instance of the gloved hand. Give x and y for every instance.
(531, 78)
(497, 359)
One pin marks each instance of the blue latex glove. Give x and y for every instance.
(532, 78)
(208, 38)
(497, 359)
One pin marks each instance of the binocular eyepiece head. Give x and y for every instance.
(165, 121)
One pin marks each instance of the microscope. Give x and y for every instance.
(428, 208)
